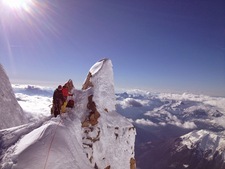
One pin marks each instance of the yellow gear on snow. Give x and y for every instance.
(63, 107)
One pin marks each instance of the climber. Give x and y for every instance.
(58, 99)
(66, 92)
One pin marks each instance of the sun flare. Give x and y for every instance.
(18, 4)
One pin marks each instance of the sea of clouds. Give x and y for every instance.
(142, 108)
(36, 101)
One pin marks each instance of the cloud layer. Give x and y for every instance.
(187, 111)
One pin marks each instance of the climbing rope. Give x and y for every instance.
(51, 144)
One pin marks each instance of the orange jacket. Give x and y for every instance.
(65, 91)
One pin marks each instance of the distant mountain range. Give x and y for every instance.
(176, 132)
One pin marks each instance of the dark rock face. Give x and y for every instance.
(87, 82)
(93, 114)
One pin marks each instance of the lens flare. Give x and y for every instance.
(26, 25)
(18, 4)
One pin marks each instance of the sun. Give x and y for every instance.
(18, 4)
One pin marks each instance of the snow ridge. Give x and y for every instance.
(90, 135)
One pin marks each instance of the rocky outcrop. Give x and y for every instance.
(132, 163)
(103, 124)
(87, 82)
(92, 118)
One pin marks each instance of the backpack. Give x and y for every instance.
(70, 104)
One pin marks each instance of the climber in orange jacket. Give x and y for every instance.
(65, 92)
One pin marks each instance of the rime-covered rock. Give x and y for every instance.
(109, 138)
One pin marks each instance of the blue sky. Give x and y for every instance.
(163, 45)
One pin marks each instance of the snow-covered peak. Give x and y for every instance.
(11, 114)
(110, 128)
(96, 67)
(209, 143)
(100, 80)
(103, 86)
